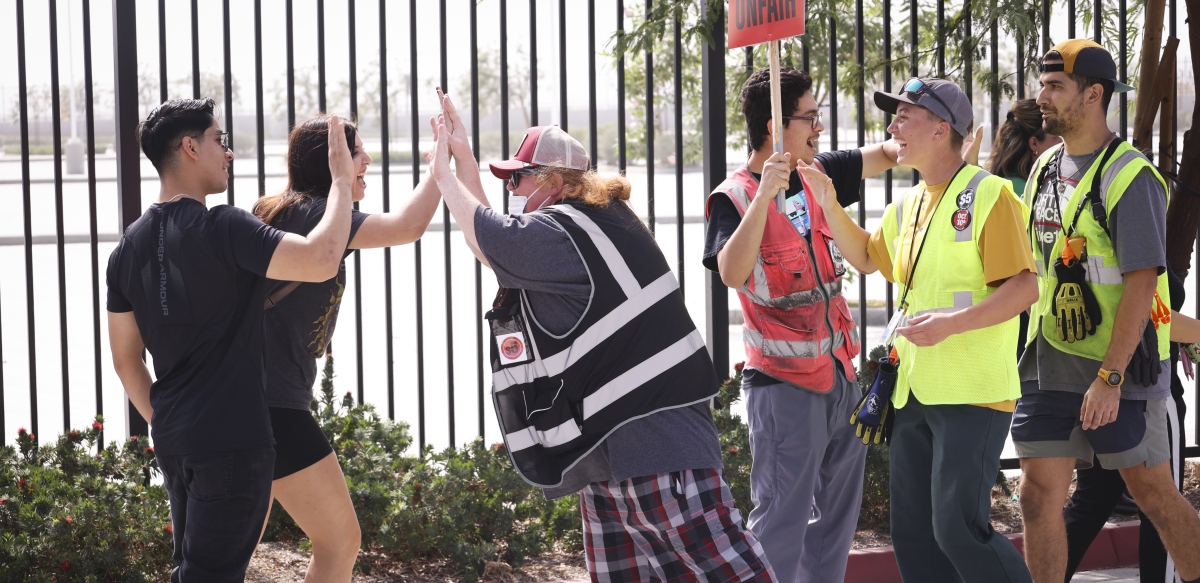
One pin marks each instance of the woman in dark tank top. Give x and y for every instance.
(299, 322)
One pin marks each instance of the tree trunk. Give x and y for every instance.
(1183, 214)
(1151, 45)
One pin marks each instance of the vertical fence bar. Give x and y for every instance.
(887, 121)
(859, 57)
(679, 153)
(994, 52)
(914, 38)
(593, 127)
(320, 56)
(504, 91)
(1124, 65)
(1096, 16)
(833, 87)
(1175, 142)
(1070, 18)
(1020, 68)
(228, 106)
(712, 105)
(129, 180)
(1045, 26)
(562, 64)
(56, 129)
(533, 74)
(414, 136)
(650, 126)
(26, 198)
(478, 266)
(90, 127)
(195, 50)
(290, 66)
(258, 97)
(941, 38)
(804, 56)
(162, 50)
(385, 171)
(621, 92)
(968, 63)
(446, 242)
(358, 337)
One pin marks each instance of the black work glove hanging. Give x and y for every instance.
(1076, 311)
(1145, 365)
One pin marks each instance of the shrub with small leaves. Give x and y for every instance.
(734, 436)
(67, 514)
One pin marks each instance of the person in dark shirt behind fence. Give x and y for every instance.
(188, 283)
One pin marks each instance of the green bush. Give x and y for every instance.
(67, 514)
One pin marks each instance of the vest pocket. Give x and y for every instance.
(959, 266)
(787, 269)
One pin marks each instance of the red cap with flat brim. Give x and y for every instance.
(544, 146)
(523, 159)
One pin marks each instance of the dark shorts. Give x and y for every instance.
(299, 441)
(1046, 424)
(218, 503)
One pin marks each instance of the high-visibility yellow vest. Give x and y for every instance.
(1103, 271)
(968, 368)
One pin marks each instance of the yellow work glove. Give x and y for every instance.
(1076, 311)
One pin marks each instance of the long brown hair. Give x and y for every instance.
(308, 167)
(587, 185)
(1011, 156)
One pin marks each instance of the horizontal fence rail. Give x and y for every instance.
(270, 63)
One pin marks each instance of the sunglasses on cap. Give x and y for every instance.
(916, 87)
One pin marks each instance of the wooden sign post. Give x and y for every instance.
(757, 21)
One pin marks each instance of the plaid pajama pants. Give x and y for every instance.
(676, 526)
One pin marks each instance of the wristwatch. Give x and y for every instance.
(1112, 377)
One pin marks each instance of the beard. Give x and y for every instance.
(1064, 122)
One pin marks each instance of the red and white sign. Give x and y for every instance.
(512, 349)
(757, 21)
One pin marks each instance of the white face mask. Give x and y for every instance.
(516, 204)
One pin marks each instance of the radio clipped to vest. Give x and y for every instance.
(509, 329)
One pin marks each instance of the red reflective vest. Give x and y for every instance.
(795, 314)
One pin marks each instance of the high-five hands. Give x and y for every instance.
(439, 159)
(341, 163)
(459, 143)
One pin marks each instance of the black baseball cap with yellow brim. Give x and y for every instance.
(1084, 57)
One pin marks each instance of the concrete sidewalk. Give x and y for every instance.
(1127, 574)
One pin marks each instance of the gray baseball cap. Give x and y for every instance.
(940, 96)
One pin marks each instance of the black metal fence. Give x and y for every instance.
(127, 106)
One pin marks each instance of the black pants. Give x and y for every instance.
(218, 504)
(1097, 491)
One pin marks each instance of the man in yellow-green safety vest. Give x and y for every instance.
(1095, 375)
(956, 245)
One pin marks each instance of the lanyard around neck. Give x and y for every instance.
(912, 265)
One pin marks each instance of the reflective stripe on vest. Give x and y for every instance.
(635, 351)
(1103, 272)
(792, 300)
(975, 366)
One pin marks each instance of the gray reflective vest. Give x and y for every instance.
(634, 352)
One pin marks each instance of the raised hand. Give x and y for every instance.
(820, 185)
(460, 145)
(971, 143)
(341, 163)
(439, 166)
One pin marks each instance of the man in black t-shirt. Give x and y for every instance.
(187, 283)
(806, 482)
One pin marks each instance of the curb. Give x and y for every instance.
(1115, 546)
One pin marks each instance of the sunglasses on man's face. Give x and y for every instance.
(917, 88)
(223, 139)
